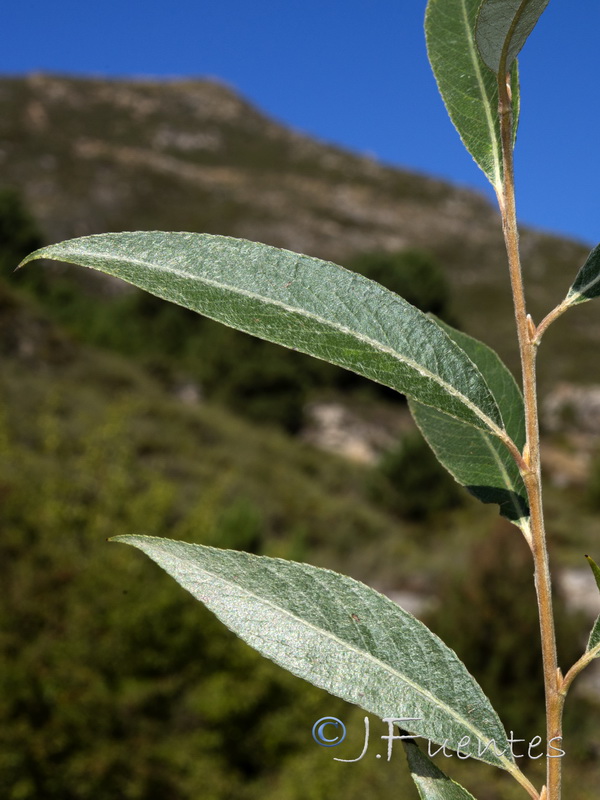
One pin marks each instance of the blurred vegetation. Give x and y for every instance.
(19, 232)
(101, 657)
(114, 682)
(488, 615)
(409, 481)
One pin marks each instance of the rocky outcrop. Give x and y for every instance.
(346, 432)
(573, 409)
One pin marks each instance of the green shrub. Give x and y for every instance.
(19, 232)
(410, 482)
(84, 684)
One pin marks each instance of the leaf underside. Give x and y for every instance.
(431, 782)
(468, 88)
(342, 636)
(480, 462)
(300, 302)
(502, 29)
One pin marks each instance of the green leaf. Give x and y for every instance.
(502, 29)
(594, 640)
(480, 462)
(595, 570)
(300, 302)
(587, 283)
(468, 88)
(430, 781)
(499, 379)
(342, 636)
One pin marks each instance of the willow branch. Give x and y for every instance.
(549, 319)
(532, 473)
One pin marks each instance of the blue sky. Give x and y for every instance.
(351, 72)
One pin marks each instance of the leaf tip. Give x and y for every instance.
(37, 254)
(26, 260)
(123, 538)
(595, 570)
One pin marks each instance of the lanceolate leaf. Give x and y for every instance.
(343, 636)
(502, 29)
(587, 283)
(468, 88)
(430, 781)
(478, 461)
(300, 302)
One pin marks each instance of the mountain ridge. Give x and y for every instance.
(215, 140)
(92, 155)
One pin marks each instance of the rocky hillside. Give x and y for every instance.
(92, 155)
(96, 155)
